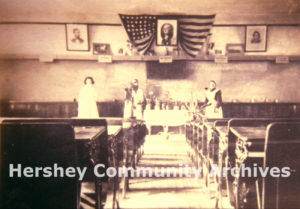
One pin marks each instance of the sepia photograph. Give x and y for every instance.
(101, 49)
(150, 104)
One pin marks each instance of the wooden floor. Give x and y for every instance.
(176, 192)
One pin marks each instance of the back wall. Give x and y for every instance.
(30, 80)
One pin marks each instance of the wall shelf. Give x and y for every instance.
(119, 58)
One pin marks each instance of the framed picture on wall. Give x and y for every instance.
(101, 49)
(77, 37)
(256, 38)
(166, 32)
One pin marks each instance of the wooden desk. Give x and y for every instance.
(249, 133)
(92, 145)
(221, 144)
(245, 147)
(250, 141)
(113, 130)
(208, 124)
(222, 131)
(207, 139)
(38, 144)
(115, 143)
(88, 132)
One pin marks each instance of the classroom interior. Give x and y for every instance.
(42, 74)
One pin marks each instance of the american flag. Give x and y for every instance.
(140, 30)
(192, 30)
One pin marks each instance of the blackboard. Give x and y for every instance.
(174, 70)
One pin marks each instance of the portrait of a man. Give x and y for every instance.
(77, 37)
(167, 32)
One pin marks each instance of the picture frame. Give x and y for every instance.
(166, 33)
(77, 37)
(101, 49)
(256, 38)
(235, 49)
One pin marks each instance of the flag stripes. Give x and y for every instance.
(193, 31)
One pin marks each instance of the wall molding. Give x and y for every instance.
(246, 58)
(117, 24)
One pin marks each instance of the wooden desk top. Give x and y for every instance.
(222, 130)
(246, 133)
(208, 124)
(113, 130)
(88, 132)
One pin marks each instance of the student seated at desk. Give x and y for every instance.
(213, 101)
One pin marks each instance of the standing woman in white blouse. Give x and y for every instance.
(87, 101)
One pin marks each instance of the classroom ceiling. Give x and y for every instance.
(106, 11)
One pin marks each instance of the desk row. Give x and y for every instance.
(240, 156)
(67, 143)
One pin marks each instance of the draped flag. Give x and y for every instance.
(192, 30)
(140, 29)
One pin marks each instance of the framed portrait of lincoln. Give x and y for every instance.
(77, 37)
